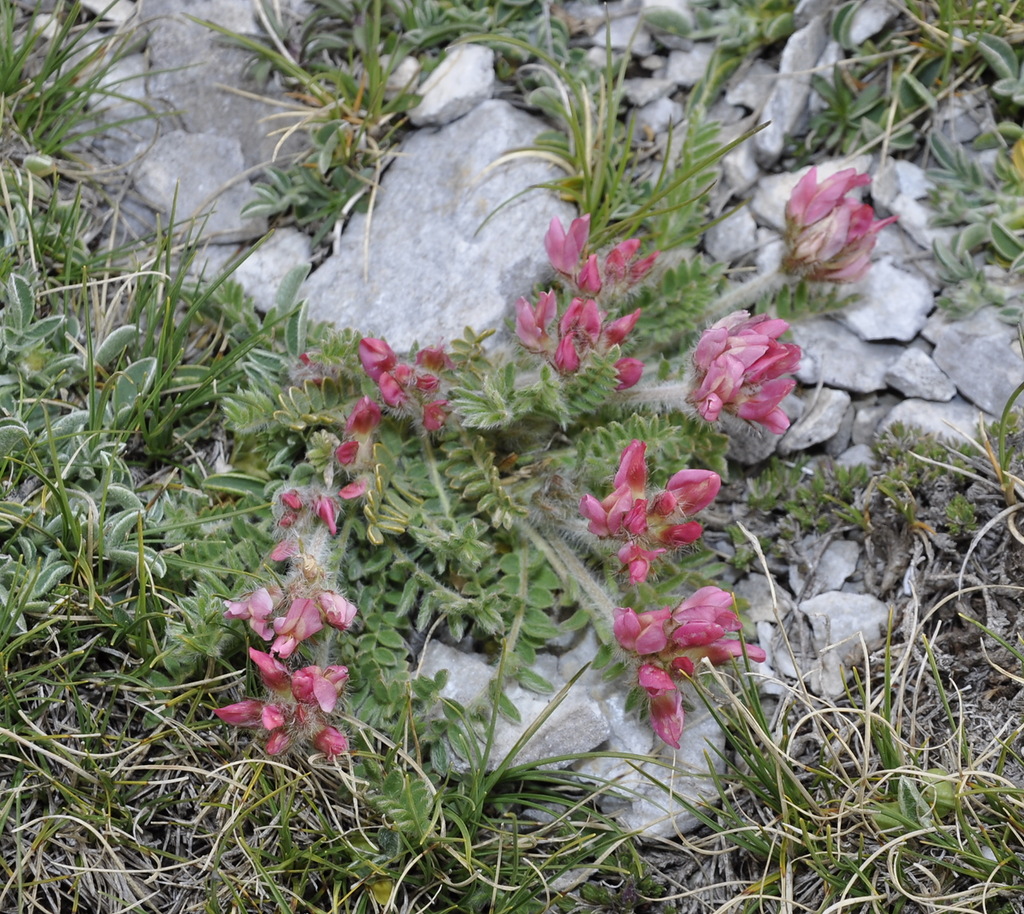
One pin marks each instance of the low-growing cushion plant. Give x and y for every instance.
(176, 466)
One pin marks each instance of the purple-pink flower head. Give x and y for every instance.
(636, 561)
(632, 471)
(829, 236)
(565, 248)
(376, 356)
(628, 372)
(331, 742)
(648, 526)
(699, 628)
(738, 363)
(363, 419)
(313, 686)
(666, 704)
(533, 321)
(300, 622)
(641, 633)
(338, 612)
(275, 675)
(255, 608)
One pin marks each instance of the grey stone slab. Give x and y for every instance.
(195, 176)
(433, 266)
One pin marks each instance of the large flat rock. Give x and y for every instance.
(433, 268)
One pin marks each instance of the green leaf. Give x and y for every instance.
(842, 23)
(13, 434)
(20, 300)
(999, 55)
(117, 529)
(911, 803)
(288, 292)
(295, 333)
(528, 679)
(239, 484)
(668, 20)
(69, 425)
(1008, 244)
(52, 573)
(132, 383)
(918, 89)
(114, 344)
(123, 497)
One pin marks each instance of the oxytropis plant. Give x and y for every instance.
(500, 444)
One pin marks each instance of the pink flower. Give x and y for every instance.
(701, 624)
(637, 561)
(567, 359)
(331, 742)
(301, 621)
(582, 320)
(284, 550)
(275, 675)
(588, 280)
(632, 471)
(532, 322)
(667, 715)
(376, 357)
(248, 713)
(628, 372)
(829, 236)
(273, 716)
(434, 358)
(347, 452)
(564, 248)
(291, 499)
(255, 608)
(323, 507)
(738, 362)
(763, 406)
(313, 686)
(354, 489)
(606, 517)
(693, 490)
(654, 679)
(676, 535)
(363, 419)
(707, 603)
(729, 648)
(338, 612)
(279, 741)
(621, 267)
(619, 329)
(648, 525)
(391, 391)
(642, 633)
(435, 415)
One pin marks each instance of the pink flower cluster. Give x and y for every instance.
(566, 342)
(413, 390)
(738, 363)
(303, 617)
(622, 267)
(666, 644)
(299, 709)
(356, 449)
(829, 236)
(651, 526)
(581, 330)
(287, 615)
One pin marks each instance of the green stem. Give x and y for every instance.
(435, 476)
(743, 295)
(672, 395)
(573, 573)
